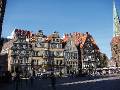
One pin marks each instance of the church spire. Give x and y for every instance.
(116, 22)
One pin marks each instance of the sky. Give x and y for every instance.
(63, 16)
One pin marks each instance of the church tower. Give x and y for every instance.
(116, 21)
(115, 43)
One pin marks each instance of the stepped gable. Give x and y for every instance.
(52, 36)
(79, 39)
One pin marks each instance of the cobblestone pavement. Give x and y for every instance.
(82, 83)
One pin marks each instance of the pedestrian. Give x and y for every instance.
(31, 80)
(53, 81)
(17, 80)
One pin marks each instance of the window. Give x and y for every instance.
(24, 46)
(56, 53)
(21, 61)
(57, 40)
(24, 40)
(53, 45)
(57, 62)
(60, 62)
(45, 53)
(21, 40)
(51, 53)
(68, 54)
(36, 53)
(61, 53)
(53, 40)
(13, 60)
(20, 57)
(18, 46)
(23, 52)
(40, 39)
(33, 53)
(15, 45)
(37, 62)
(40, 53)
(17, 52)
(37, 44)
(60, 45)
(42, 45)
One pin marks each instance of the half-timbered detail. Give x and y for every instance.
(20, 52)
(81, 53)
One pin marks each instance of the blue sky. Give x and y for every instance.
(64, 16)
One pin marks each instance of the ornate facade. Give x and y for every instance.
(40, 53)
(81, 52)
(47, 52)
(56, 51)
(71, 56)
(20, 52)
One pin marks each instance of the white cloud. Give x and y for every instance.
(11, 35)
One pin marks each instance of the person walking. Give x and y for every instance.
(53, 81)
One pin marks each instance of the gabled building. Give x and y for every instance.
(47, 52)
(39, 51)
(75, 53)
(90, 54)
(81, 53)
(20, 52)
(55, 49)
(71, 56)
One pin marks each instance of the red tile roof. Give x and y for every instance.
(79, 38)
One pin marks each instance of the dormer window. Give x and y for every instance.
(40, 40)
(40, 53)
(40, 33)
(57, 40)
(53, 40)
(54, 46)
(24, 46)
